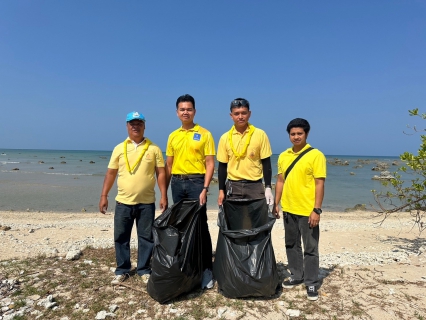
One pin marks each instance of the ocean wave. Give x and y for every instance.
(51, 173)
(6, 162)
(68, 174)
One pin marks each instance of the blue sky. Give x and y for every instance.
(72, 70)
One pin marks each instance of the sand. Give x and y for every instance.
(393, 253)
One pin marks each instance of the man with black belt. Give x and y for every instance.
(244, 158)
(190, 166)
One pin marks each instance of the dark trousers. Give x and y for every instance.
(302, 265)
(191, 189)
(244, 190)
(124, 217)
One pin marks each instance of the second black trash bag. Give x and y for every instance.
(245, 263)
(177, 256)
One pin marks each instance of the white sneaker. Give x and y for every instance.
(207, 282)
(119, 278)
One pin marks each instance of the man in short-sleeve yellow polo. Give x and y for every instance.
(190, 166)
(244, 158)
(136, 162)
(301, 192)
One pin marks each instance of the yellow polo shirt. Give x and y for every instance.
(298, 195)
(248, 167)
(137, 187)
(189, 149)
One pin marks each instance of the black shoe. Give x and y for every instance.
(312, 293)
(290, 283)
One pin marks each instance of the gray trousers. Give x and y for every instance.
(303, 265)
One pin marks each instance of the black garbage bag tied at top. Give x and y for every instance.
(245, 264)
(177, 265)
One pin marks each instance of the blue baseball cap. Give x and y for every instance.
(135, 116)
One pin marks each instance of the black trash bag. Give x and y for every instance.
(177, 265)
(244, 264)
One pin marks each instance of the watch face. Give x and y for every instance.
(317, 210)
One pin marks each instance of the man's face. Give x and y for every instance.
(240, 116)
(186, 112)
(298, 137)
(136, 129)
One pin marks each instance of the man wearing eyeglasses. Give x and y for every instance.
(244, 158)
(190, 166)
(136, 161)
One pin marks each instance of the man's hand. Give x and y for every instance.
(163, 204)
(314, 219)
(276, 211)
(221, 197)
(203, 197)
(269, 198)
(103, 204)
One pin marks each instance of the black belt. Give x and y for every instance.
(246, 181)
(187, 176)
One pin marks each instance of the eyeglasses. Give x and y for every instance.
(240, 102)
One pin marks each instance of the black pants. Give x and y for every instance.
(302, 264)
(244, 190)
(191, 189)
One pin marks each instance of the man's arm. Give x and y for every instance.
(207, 178)
(169, 165)
(222, 174)
(267, 177)
(267, 171)
(314, 218)
(110, 176)
(162, 185)
(278, 193)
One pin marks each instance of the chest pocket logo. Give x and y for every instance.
(148, 157)
(197, 137)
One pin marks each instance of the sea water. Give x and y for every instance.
(71, 181)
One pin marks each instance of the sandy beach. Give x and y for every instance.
(385, 262)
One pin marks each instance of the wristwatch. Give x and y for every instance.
(317, 210)
(206, 188)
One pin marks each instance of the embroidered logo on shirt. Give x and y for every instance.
(197, 136)
(147, 156)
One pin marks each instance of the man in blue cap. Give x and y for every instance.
(137, 161)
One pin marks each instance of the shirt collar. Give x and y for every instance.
(290, 150)
(195, 128)
(237, 132)
(134, 143)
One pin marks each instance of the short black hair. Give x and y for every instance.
(185, 98)
(240, 102)
(299, 123)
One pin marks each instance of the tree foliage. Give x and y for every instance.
(409, 195)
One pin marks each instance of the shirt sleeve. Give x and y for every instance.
(265, 150)
(320, 166)
(209, 148)
(222, 154)
(115, 156)
(169, 148)
(159, 160)
(279, 165)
